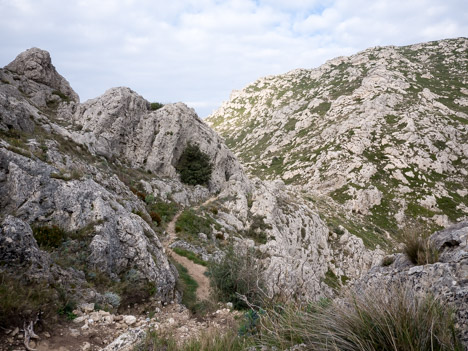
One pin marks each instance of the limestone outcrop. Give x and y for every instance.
(121, 125)
(36, 65)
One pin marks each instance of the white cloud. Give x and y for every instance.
(199, 50)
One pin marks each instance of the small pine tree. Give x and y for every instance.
(194, 166)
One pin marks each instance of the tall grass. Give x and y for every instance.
(418, 247)
(393, 320)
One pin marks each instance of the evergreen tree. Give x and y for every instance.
(194, 166)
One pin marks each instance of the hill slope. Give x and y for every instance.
(384, 133)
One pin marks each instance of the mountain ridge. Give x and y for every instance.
(359, 129)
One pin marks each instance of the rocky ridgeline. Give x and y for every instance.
(383, 133)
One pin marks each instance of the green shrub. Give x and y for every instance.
(20, 300)
(67, 303)
(236, 276)
(331, 280)
(61, 95)
(156, 106)
(393, 319)
(194, 166)
(166, 210)
(49, 237)
(257, 229)
(155, 217)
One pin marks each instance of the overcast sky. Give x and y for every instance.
(198, 51)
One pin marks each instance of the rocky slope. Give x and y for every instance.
(383, 133)
(87, 190)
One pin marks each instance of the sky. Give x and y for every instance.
(198, 51)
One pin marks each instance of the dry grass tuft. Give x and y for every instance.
(395, 320)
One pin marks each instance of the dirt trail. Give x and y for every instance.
(196, 271)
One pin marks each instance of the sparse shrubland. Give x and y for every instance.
(49, 237)
(19, 300)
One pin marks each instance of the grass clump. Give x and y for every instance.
(418, 247)
(235, 277)
(393, 320)
(210, 340)
(194, 166)
(190, 255)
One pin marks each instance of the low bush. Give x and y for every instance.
(188, 287)
(49, 237)
(257, 229)
(194, 166)
(394, 319)
(166, 210)
(20, 301)
(156, 106)
(235, 277)
(155, 217)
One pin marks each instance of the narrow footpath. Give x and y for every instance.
(196, 271)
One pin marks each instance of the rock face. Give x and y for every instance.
(118, 239)
(120, 124)
(446, 279)
(383, 133)
(35, 64)
(299, 257)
